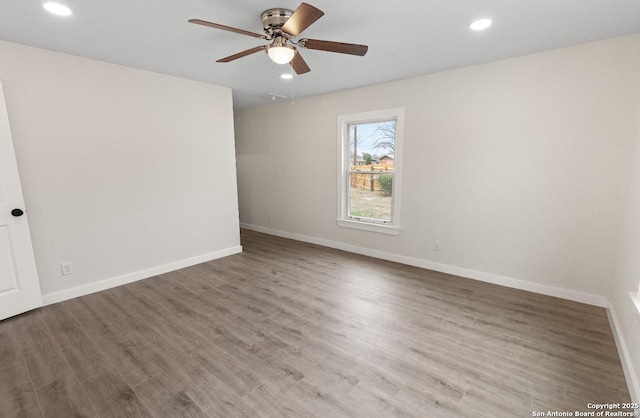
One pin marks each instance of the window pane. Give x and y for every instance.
(370, 167)
(372, 142)
(367, 203)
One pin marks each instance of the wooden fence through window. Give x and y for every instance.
(364, 176)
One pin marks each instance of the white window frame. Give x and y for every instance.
(397, 114)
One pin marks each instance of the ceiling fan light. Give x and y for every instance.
(281, 54)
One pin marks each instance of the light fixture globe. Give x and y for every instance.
(280, 52)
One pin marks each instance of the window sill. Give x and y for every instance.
(366, 226)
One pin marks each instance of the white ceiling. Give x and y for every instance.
(405, 38)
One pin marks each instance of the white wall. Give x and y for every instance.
(627, 280)
(125, 172)
(519, 168)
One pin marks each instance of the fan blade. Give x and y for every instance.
(302, 18)
(299, 64)
(242, 54)
(340, 47)
(227, 28)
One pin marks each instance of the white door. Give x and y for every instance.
(19, 285)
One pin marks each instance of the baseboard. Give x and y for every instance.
(75, 292)
(625, 358)
(548, 290)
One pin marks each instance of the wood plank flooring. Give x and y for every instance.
(288, 329)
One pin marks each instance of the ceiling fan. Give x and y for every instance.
(281, 26)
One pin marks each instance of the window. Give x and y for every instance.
(369, 161)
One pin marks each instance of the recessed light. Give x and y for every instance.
(57, 9)
(480, 24)
(286, 76)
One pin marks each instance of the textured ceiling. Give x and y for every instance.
(405, 39)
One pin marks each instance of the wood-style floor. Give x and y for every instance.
(288, 329)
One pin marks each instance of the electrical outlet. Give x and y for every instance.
(437, 246)
(66, 268)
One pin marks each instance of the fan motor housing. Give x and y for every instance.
(273, 19)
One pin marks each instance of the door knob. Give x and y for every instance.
(17, 212)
